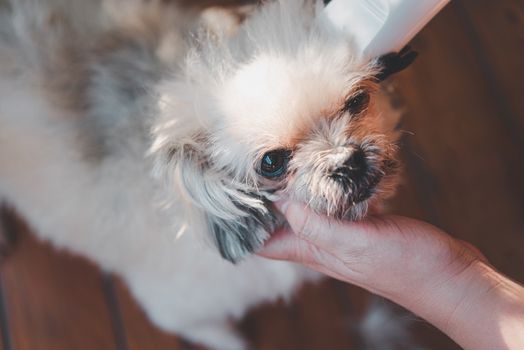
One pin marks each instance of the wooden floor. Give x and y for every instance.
(464, 157)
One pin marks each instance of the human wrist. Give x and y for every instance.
(466, 302)
(478, 308)
(495, 310)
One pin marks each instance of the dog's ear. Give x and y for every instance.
(394, 62)
(238, 219)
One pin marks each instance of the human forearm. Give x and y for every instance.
(493, 316)
(478, 308)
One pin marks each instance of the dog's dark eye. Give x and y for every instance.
(357, 102)
(274, 163)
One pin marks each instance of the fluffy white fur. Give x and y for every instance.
(127, 139)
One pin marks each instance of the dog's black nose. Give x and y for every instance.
(357, 176)
(356, 164)
(353, 168)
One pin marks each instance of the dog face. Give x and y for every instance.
(309, 127)
(285, 108)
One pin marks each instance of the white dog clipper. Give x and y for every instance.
(382, 26)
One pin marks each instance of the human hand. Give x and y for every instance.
(388, 255)
(444, 280)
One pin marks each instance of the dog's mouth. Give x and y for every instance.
(360, 187)
(357, 189)
(358, 182)
(355, 211)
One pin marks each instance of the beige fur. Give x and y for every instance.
(132, 135)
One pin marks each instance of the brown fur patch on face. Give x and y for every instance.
(367, 86)
(334, 111)
(345, 163)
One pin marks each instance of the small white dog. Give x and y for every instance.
(128, 138)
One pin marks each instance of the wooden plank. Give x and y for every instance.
(54, 300)
(320, 316)
(478, 191)
(140, 333)
(272, 326)
(5, 247)
(497, 31)
(324, 317)
(5, 334)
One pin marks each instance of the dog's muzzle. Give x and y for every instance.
(359, 175)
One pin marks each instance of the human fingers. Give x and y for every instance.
(284, 244)
(328, 234)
